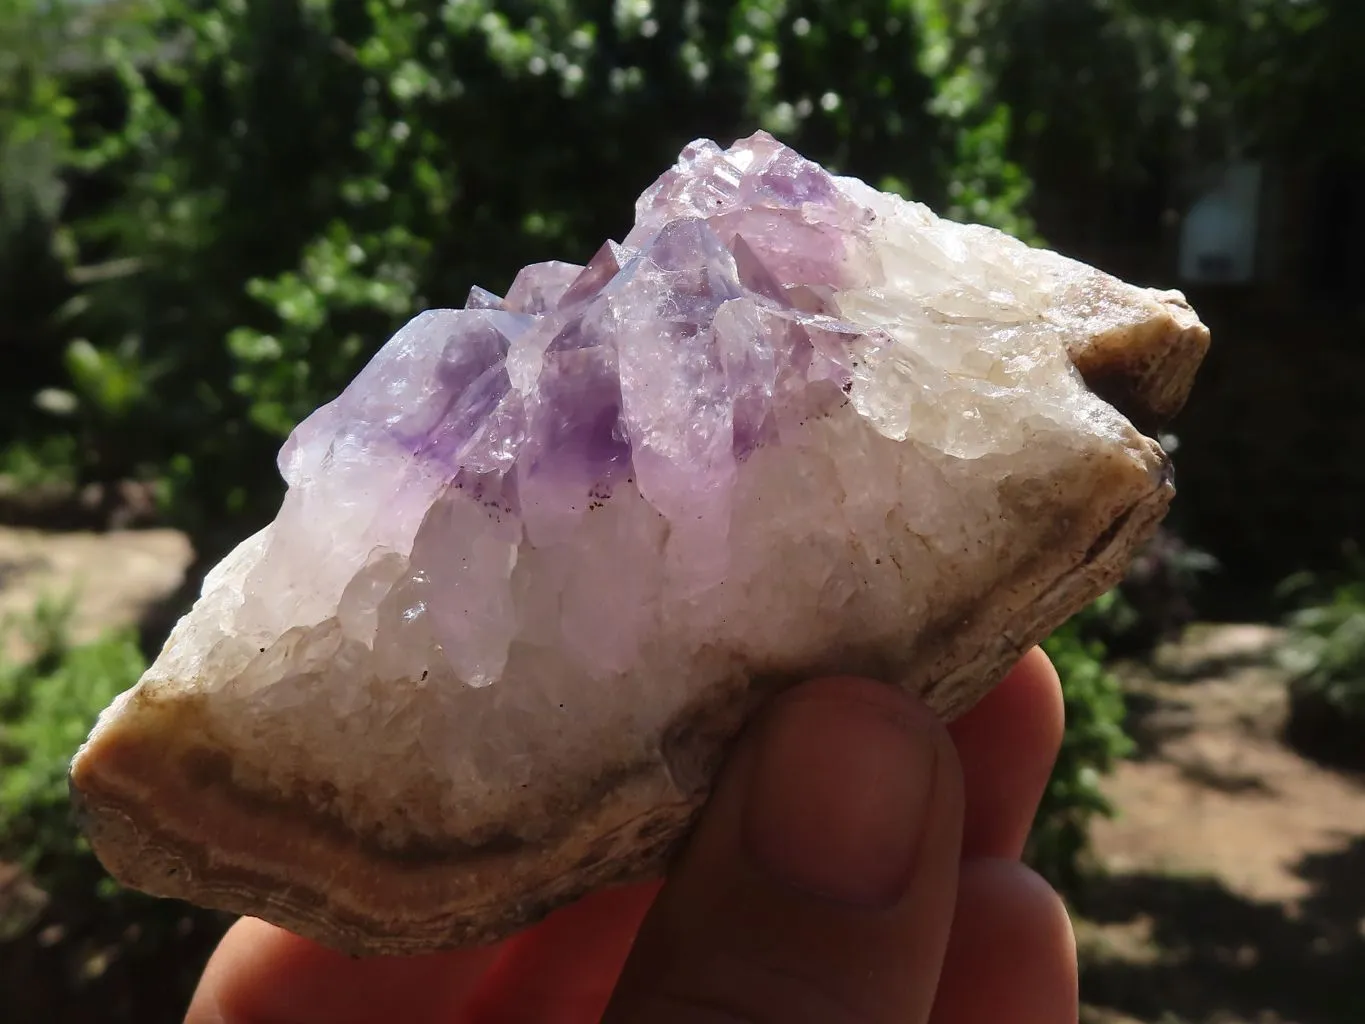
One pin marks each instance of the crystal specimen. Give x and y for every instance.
(540, 560)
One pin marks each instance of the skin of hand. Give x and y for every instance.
(858, 863)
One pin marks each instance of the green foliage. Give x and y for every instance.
(34, 142)
(1093, 742)
(1326, 651)
(33, 112)
(1126, 81)
(50, 459)
(48, 702)
(50, 51)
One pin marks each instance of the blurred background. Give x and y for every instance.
(211, 213)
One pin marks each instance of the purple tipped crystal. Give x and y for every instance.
(662, 360)
(482, 298)
(539, 287)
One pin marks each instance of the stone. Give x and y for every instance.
(546, 554)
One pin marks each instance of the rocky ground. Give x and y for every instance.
(1231, 890)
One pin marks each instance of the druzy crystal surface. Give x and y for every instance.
(542, 557)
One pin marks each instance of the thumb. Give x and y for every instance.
(820, 883)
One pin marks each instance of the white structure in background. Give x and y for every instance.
(1218, 238)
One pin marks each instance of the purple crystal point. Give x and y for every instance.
(604, 266)
(662, 362)
(482, 298)
(539, 287)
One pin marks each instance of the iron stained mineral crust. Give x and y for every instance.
(540, 560)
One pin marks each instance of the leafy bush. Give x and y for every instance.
(47, 704)
(1093, 742)
(1327, 650)
(1325, 656)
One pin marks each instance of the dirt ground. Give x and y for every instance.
(1233, 882)
(114, 578)
(1230, 890)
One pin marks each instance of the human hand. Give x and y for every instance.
(857, 864)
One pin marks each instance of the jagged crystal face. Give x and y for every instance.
(788, 425)
(755, 291)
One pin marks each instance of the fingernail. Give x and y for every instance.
(839, 795)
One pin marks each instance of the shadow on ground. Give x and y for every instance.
(1216, 952)
(1152, 721)
(1324, 733)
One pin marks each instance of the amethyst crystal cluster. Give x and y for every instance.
(541, 558)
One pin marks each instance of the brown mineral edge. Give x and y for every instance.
(1146, 369)
(164, 811)
(270, 851)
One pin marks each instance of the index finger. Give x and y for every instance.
(1008, 747)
